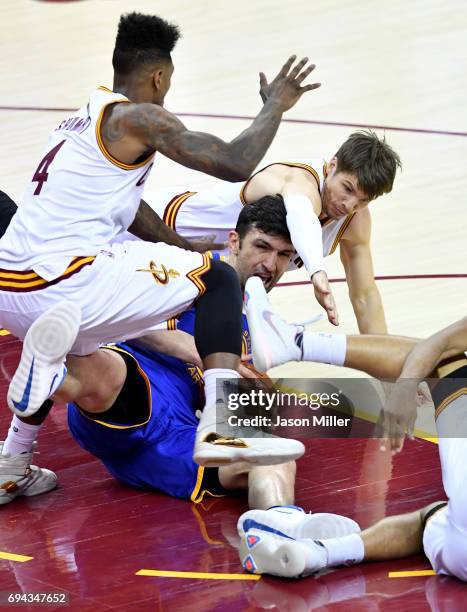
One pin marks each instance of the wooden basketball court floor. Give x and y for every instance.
(400, 67)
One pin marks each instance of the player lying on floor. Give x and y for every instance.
(336, 193)
(67, 287)
(146, 437)
(440, 530)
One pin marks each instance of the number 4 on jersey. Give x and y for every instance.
(41, 175)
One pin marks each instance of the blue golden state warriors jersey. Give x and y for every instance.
(156, 453)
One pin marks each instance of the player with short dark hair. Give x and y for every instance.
(146, 436)
(65, 285)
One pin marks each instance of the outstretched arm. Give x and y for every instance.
(130, 130)
(356, 258)
(302, 201)
(425, 356)
(400, 411)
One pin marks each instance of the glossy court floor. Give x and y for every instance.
(92, 536)
(399, 67)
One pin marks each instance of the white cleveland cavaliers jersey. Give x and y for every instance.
(215, 210)
(79, 199)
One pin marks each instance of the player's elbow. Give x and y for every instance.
(236, 172)
(235, 164)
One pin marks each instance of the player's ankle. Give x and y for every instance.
(346, 550)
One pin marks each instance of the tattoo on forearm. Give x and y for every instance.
(231, 161)
(148, 226)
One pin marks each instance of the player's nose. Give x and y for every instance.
(270, 262)
(349, 205)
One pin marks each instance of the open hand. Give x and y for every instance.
(287, 88)
(324, 295)
(399, 414)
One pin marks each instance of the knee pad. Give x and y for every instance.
(218, 324)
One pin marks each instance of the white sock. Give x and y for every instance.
(210, 378)
(324, 348)
(20, 437)
(346, 550)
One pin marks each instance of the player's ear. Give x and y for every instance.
(233, 241)
(157, 78)
(331, 166)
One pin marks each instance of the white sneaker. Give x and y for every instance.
(293, 522)
(41, 369)
(268, 553)
(272, 339)
(214, 450)
(19, 477)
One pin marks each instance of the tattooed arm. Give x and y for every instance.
(147, 225)
(130, 130)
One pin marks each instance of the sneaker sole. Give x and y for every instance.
(48, 340)
(258, 338)
(271, 555)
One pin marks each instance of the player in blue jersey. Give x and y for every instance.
(146, 438)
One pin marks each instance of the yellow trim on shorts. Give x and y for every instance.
(341, 231)
(29, 280)
(148, 386)
(310, 169)
(196, 274)
(4, 332)
(449, 366)
(173, 208)
(244, 343)
(445, 403)
(198, 494)
(102, 146)
(199, 481)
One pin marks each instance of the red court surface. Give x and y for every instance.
(91, 535)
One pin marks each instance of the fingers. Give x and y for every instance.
(411, 426)
(391, 429)
(298, 68)
(397, 444)
(302, 76)
(299, 75)
(284, 71)
(309, 87)
(383, 427)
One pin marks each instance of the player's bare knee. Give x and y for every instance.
(235, 476)
(285, 472)
(103, 378)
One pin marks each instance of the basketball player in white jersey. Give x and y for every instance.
(65, 288)
(326, 204)
(441, 528)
